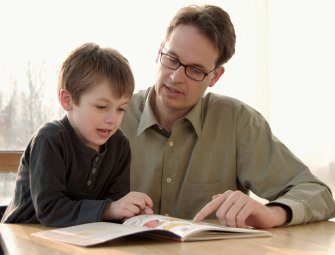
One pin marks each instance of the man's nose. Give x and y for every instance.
(179, 73)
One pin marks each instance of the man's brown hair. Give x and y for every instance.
(213, 22)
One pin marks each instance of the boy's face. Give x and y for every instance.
(98, 115)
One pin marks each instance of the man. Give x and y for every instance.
(198, 154)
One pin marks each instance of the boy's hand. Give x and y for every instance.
(132, 204)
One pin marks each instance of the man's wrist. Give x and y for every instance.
(286, 210)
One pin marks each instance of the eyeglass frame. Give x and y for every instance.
(185, 66)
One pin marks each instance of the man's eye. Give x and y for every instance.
(172, 60)
(100, 107)
(195, 71)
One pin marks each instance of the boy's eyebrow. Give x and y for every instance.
(125, 102)
(103, 99)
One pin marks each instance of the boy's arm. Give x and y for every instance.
(50, 198)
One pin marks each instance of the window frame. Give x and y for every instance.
(9, 161)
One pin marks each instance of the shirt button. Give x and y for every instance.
(94, 170)
(89, 182)
(171, 144)
(168, 180)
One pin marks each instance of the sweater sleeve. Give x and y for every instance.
(49, 189)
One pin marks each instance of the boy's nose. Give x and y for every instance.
(110, 117)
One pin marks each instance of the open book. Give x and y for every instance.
(156, 226)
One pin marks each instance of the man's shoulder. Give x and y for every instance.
(214, 103)
(218, 100)
(139, 98)
(137, 103)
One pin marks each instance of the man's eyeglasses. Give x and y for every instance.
(191, 72)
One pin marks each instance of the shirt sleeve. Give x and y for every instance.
(49, 191)
(270, 170)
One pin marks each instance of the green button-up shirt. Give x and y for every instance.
(221, 144)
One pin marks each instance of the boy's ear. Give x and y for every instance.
(65, 100)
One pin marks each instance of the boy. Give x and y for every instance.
(76, 170)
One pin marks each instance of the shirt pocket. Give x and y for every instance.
(199, 194)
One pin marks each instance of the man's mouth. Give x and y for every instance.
(172, 90)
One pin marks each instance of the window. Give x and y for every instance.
(301, 81)
(282, 65)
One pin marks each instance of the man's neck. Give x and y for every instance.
(166, 117)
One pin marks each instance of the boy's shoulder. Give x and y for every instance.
(50, 133)
(51, 128)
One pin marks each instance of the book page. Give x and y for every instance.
(156, 226)
(186, 229)
(90, 233)
(177, 226)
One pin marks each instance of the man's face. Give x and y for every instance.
(175, 91)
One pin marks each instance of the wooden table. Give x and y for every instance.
(309, 239)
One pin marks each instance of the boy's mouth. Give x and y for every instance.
(104, 132)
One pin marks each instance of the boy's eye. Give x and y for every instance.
(101, 106)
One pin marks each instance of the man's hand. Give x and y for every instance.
(236, 209)
(132, 204)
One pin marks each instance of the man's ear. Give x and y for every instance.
(65, 100)
(216, 76)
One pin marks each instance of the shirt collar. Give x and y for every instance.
(195, 117)
(148, 118)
